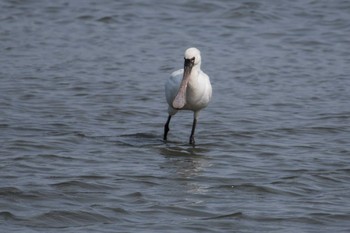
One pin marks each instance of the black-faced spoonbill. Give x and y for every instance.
(188, 89)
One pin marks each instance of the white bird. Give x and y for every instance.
(188, 89)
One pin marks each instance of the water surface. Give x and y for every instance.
(82, 111)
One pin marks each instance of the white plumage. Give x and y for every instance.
(188, 89)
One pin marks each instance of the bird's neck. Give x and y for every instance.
(195, 71)
(194, 75)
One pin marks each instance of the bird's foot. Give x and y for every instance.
(192, 141)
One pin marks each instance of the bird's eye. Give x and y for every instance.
(192, 59)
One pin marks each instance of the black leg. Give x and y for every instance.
(166, 128)
(192, 132)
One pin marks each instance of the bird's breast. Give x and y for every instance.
(198, 92)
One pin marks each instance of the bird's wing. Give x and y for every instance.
(172, 85)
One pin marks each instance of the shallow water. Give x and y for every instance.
(82, 110)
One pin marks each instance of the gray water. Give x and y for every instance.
(82, 110)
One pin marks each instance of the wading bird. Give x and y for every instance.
(188, 89)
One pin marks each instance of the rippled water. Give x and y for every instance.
(82, 110)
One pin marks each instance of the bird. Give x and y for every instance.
(188, 89)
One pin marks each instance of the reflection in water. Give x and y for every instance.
(186, 163)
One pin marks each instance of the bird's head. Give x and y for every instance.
(192, 57)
